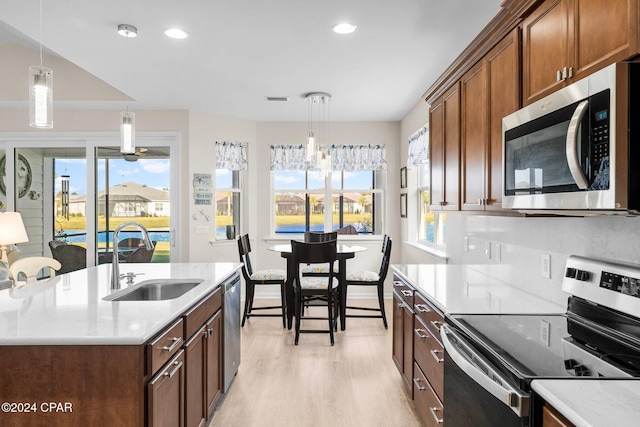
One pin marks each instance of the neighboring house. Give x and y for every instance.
(127, 200)
(287, 204)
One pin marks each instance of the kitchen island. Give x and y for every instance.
(70, 357)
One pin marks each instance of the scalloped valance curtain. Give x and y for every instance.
(418, 147)
(343, 157)
(231, 155)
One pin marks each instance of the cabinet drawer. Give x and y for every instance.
(425, 400)
(198, 315)
(163, 347)
(429, 355)
(404, 291)
(428, 314)
(165, 391)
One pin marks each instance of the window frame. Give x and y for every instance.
(439, 218)
(378, 181)
(237, 193)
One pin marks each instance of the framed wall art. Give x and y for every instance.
(403, 205)
(403, 177)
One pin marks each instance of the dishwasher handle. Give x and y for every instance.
(480, 371)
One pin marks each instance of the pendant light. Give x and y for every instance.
(318, 101)
(40, 92)
(64, 194)
(127, 118)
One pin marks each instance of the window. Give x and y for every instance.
(302, 200)
(227, 201)
(158, 207)
(432, 225)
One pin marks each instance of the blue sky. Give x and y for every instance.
(152, 172)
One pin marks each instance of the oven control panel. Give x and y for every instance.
(625, 285)
(609, 283)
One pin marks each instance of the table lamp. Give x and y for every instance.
(11, 231)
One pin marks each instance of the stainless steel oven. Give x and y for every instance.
(573, 150)
(491, 360)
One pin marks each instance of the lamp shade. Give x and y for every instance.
(12, 229)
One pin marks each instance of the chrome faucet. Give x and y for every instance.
(115, 270)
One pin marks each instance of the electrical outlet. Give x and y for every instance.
(466, 244)
(545, 333)
(202, 229)
(497, 252)
(487, 250)
(546, 266)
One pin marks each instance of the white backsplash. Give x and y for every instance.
(523, 242)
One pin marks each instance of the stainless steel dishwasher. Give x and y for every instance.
(231, 331)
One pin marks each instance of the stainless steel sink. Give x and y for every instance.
(155, 290)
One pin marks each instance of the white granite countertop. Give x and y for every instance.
(70, 310)
(592, 402)
(459, 289)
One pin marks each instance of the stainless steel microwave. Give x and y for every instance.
(573, 150)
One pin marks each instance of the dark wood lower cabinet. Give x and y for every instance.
(213, 361)
(165, 395)
(425, 399)
(195, 353)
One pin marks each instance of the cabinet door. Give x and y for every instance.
(213, 366)
(605, 32)
(452, 149)
(545, 48)
(397, 353)
(444, 151)
(503, 68)
(436, 155)
(474, 112)
(195, 351)
(407, 344)
(166, 395)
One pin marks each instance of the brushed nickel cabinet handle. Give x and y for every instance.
(422, 308)
(433, 410)
(419, 335)
(176, 342)
(407, 293)
(416, 381)
(434, 353)
(436, 324)
(558, 76)
(178, 365)
(397, 284)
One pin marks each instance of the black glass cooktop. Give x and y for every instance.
(526, 347)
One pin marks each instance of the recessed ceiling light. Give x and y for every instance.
(176, 33)
(126, 30)
(344, 28)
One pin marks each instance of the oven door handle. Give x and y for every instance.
(481, 371)
(572, 146)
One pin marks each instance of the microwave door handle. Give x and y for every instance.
(572, 146)
(496, 384)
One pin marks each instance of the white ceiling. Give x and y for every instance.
(240, 51)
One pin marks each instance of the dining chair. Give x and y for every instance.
(315, 288)
(315, 237)
(29, 267)
(260, 277)
(70, 257)
(371, 278)
(131, 242)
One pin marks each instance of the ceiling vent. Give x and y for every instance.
(277, 98)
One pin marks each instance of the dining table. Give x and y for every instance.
(344, 252)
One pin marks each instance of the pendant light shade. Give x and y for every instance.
(40, 97)
(127, 132)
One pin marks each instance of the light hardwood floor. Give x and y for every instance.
(354, 383)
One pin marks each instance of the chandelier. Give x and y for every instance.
(318, 157)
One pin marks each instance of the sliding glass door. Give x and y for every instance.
(133, 187)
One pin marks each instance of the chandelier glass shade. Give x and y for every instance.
(318, 103)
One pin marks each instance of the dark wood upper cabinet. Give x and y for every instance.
(565, 40)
